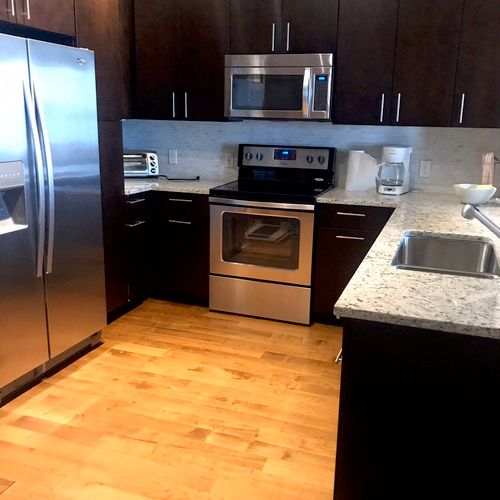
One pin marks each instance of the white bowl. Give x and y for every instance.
(474, 194)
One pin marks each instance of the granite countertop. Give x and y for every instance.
(203, 186)
(380, 292)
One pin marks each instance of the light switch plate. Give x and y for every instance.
(172, 156)
(425, 168)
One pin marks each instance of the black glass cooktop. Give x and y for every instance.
(273, 191)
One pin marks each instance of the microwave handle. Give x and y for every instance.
(307, 93)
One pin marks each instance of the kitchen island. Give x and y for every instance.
(420, 398)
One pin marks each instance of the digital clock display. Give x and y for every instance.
(285, 154)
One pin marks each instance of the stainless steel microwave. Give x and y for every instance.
(282, 86)
(140, 164)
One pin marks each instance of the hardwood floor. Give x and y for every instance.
(181, 403)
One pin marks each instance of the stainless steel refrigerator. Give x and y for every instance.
(52, 299)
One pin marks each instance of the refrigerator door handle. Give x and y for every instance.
(30, 108)
(50, 181)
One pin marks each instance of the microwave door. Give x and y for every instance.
(267, 93)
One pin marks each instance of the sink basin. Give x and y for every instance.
(436, 253)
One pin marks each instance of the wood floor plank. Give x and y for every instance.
(181, 403)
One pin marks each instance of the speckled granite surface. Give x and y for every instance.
(380, 292)
(134, 186)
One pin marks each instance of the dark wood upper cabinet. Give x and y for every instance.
(477, 90)
(6, 13)
(310, 27)
(105, 26)
(54, 15)
(256, 26)
(204, 43)
(281, 26)
(156, 55)
(425, 64)
(180, 48)
(365, 61)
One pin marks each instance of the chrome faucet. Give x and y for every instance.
(473, 212)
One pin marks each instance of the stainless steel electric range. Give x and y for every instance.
(261, 231)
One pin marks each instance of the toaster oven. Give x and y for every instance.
(140, 164)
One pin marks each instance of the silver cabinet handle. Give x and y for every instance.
(12, 9)
(49, 164)
(37, 145)
(382, 104)
(357, 238)
(182, 200)
(173, 221)
(288, 37)
(133, 202)
(135, 224)
(273, 40)
(185, 104)
(351, 214)
(27, 12)
(462, 105)
(173, 105)
(398, 107)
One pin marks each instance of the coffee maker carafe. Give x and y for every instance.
(393, 175)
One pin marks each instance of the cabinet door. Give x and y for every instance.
(477, 91)
(425, 64)
(8, 10)
(365, 61)
(256, 26)
(180, 225)
(338, 254)
(156, 66)
(57, 15)
(203, 43)
(137, 251)
(309, 27)
(105, 26)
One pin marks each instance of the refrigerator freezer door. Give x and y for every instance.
(23, 332)
(63, 82)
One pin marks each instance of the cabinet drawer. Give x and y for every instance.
(181, 207)
(136, 208)
(353, 217)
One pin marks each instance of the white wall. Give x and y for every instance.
(207, 149)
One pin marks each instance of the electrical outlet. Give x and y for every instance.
(229, 160)
(172, 156)
(425, 168)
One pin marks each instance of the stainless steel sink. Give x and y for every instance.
(445, 254)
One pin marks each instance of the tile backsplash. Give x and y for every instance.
(210, 149)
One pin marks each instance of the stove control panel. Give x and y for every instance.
(286, 157)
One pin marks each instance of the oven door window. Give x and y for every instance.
(268, 92)
(259, 240)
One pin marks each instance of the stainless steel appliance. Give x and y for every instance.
(286, 86)
(140, 164)
(52, 299)
(261, 231)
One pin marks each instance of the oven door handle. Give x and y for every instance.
(262, 204)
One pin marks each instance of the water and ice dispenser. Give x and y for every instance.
(12, 197)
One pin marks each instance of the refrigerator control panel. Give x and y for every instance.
(11, 175)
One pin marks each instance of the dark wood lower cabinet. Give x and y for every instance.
(137, 248)
(344, 234)
(180, 247)
(338, 253)
(419, 413)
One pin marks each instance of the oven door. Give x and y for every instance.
(268, 92)
(267, 244)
